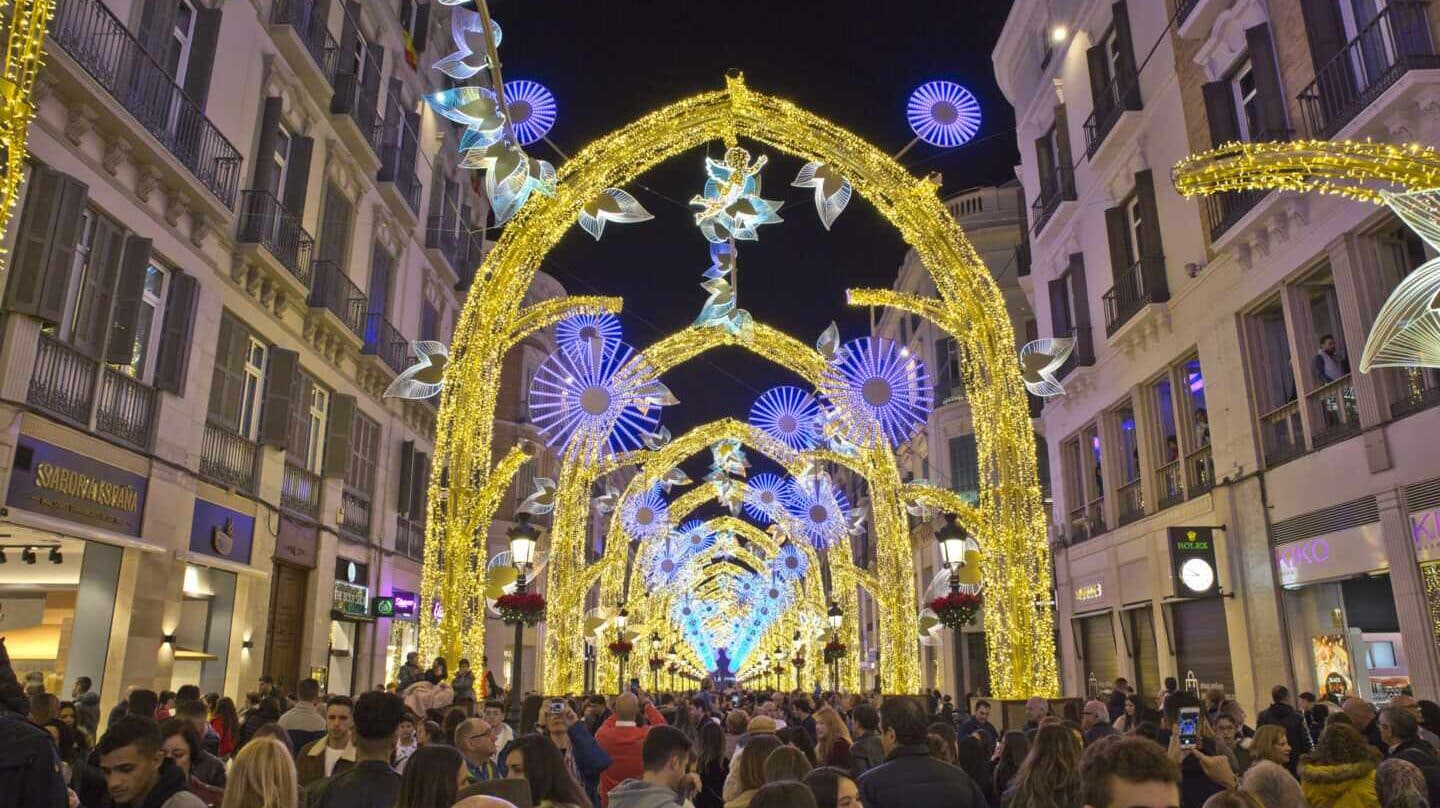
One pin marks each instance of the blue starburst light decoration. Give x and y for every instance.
(943, 114)
(877, 389)
(695, 537)
(596, 403)
(581, 331)
(788, 414)
(664, 562)
(819, 509)
(789, 563)
(646, 516)
(765, 496)
(532, 109)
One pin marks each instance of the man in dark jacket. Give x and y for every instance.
(866, 752)
(1281, 714)
(370, 783)
(909, 777)
(979, 723)
(138, 774)
(1401, 732)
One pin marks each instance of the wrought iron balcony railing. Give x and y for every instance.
(385, 341)
(300, 491)
(265, 221)
(228, 459)
(312, 30)
(1139, 286)
(334, 291)
(63, 381)
(126, 409)
(1059, 187)
(1121, 95)
(100, 43)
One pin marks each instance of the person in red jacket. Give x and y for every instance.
(622, 738)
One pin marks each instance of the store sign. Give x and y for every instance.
(297, 543)
(1425, 532)
(1089, 592)
(220, 532)
(51, 480)
(1192, 561)
(352, 572)
(1344, 553)
(351, 600)
(407, 605)
(382, 606)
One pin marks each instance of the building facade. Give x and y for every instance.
(943, 454)
(237, 219)
(1233, 506)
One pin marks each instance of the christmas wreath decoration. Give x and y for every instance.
(528, 608)
(957, 609)
(798, 662)
(656, 663)
(621, 648)
(834, 651)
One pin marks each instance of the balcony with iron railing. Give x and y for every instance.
(1334, 414)
(1142, 284)
(451, 240)
(1132, 501)
(1419, 390)
(409, 537)
(100, 44)
(1224, 209)
(385, 342)
(1055, 189)
(228, 460)
(1395, 42)
(357, 107)
(64, 382)
(1183, 10)
(1121, 95)
(334, 292)
(1282, 435)
(265, 221)
(1202, 471)
(311, 32)
(355, 513)
(1169, 485)
(300, 490)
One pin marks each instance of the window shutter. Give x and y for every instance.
(227, 385)
(1125, 44)
(1060, 325)
(379, 295)
(348, 37)
(92, 316)
(297, 175)
(1151, 245)
(409, 145)
(420, 486)
(1269, 89)
(335, 227)
(176, 333)
(45, 246)
(1044, 165)
(129, 290)
(299, 438)
(965, 468)
(421, 35)
(1080, 310)
(1062, 139)
(263, 177)
(1220, 112)
(202, 54)
(1117, 235)
(282, 378)
(157, 22)
(371, 88)
(1099, 79)
(339, 433)
(407, 470)
(1325, 31)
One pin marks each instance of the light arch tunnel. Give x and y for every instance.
(1015, 564)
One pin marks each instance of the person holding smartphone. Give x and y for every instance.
(1204, 769)
(667, 779)
(584, 759)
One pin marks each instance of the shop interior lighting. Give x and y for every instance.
(1058, 33)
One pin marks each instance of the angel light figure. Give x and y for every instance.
(731, 206)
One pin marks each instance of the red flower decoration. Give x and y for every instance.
(621, 647)
(656, 663)
(957, 609)
(798, 662)
(834, 650)
(528, 608)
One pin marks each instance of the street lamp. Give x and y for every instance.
(670, 658)
(523, 537)
(622, 619)
(654, 654)
(954, 544)
(836, 618)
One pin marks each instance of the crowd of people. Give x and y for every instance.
(708, 748)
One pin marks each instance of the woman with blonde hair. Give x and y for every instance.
(833, 747)
(1270, 743)
(262, 776)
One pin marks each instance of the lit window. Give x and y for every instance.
(319, 405)
(1247, 101)
(254, 383)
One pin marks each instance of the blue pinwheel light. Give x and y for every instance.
(532, 110)
(789, 563)
(646, 516)
(878, 389)
(696, 537)
(819, 509)
(664, 562)
(581, 331)
(944, 114)
(788, 414)
(596, 403)
(765, 496)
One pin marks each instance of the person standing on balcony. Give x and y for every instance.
(1328, 365)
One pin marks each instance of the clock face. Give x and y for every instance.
(1197, 574)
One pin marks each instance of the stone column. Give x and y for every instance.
(1358, 292)
(1411, 606)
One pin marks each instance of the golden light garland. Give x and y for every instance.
(1354, 169)
(24, 27)
(1018, 617)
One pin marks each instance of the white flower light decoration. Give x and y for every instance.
(511, 175)
(721, 309)
(596, 403)
(818, 508)
(456, 64)
(426, 377)
(646, 516)
(612, 205)
(1407, 329)
(765, 497)
(542, 501)
(474, 108)
(832, 191)
(1039, 361)
(878, 390)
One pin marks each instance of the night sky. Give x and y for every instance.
(855, 63)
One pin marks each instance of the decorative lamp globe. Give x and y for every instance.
(622, 619)
(953, 540)
(835, 616)
(523, 539)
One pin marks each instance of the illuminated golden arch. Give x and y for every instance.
(1018, 618)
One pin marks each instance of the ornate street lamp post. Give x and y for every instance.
(670, 657)
(523, 538)
(654, 655)
(622, 619)
(836, 618)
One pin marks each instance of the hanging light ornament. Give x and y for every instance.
(532, 110)
(819, 508)
(511, 175)
(611, 205)
(596, 403)
(1407, 329)
(580, 332)
(789, 415)
(475, 108)
(730, 206)
(721, 309)
(426, 377)
(695, 537)
(943, 114)
(832, 191)
(1040, 360)
(765, 497)
(877, 390)
(664, 562)
(646, 516)
(457, 64)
